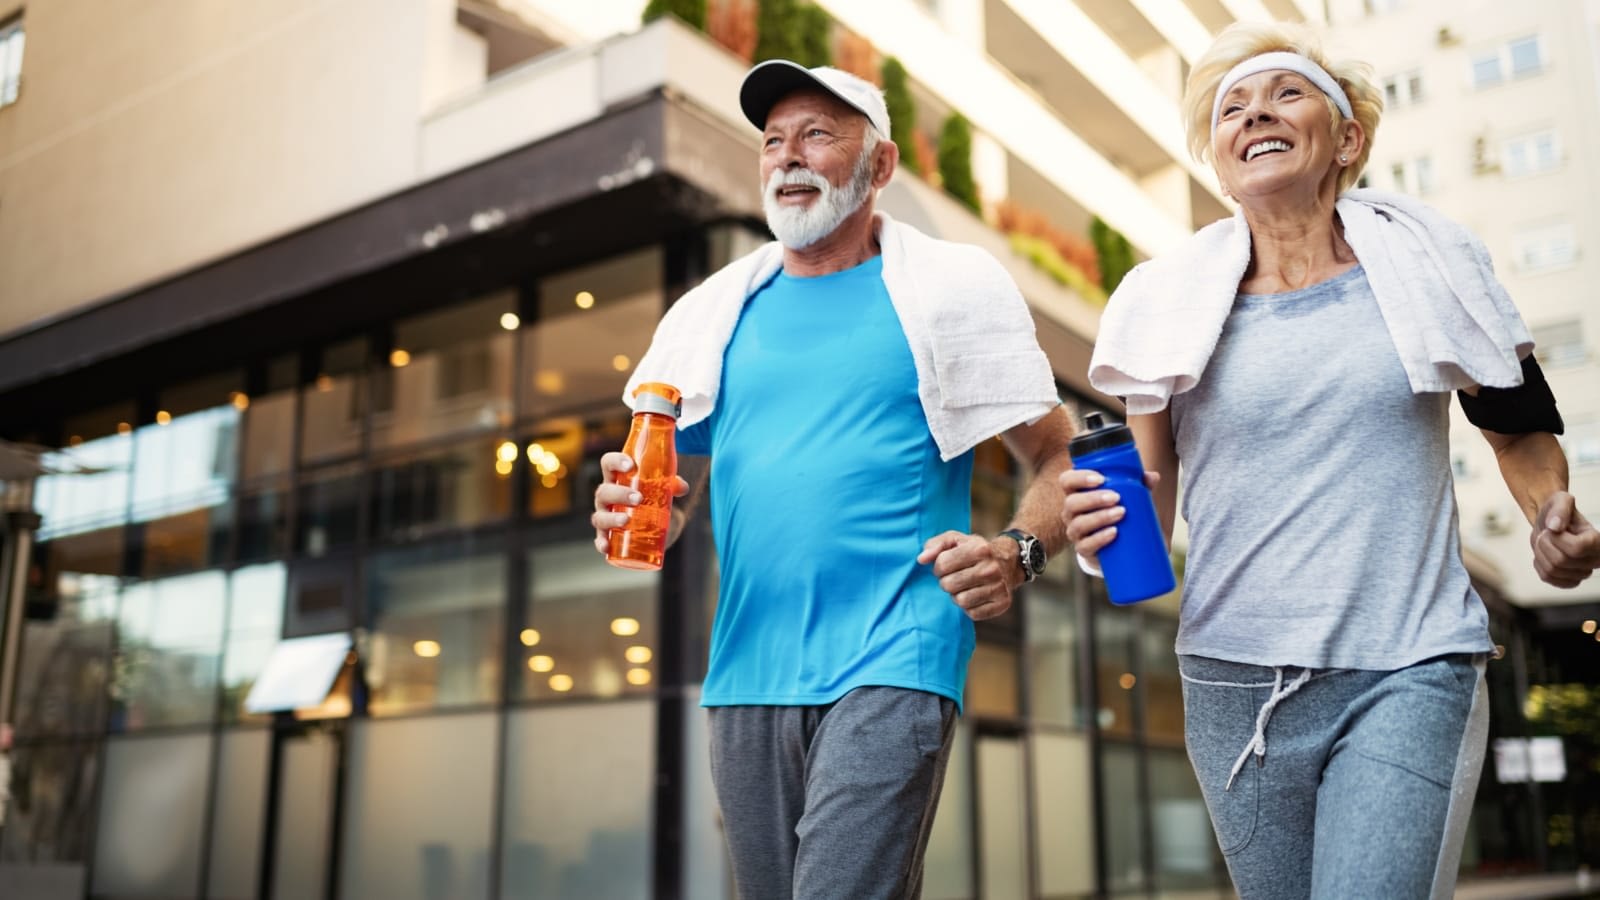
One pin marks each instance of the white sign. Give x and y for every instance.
(1517, 760)
(299, 673)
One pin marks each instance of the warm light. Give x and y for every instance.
(239, 400)
(535, 452)
(163, 417)
(123, 428)
(507, 451)
(549, 481)
(561, 683)
(77, 439)
(530, 637)
(426, 649)
(621, 362)
(584, 300)
(510, 321)
(1127, 681)
(550, 382)
(549, 465)
(1588, 626)
(324, 383)
(625, 627)
(637, 654)
(399, 359)
(541, 663)
(638, 676)
(503, 468)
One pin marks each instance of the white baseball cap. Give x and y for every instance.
(775, 79)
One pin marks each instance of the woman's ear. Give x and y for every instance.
(1352, 139)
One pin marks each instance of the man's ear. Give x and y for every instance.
(888, 159)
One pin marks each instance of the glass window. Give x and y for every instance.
(256, 596)
(183, 476)
(169, 640)
(465, 484)
(1531, 154)
(1391, 92)
(95, 491)
(1413, 86)
(51, 810)
(1546, 247)
(305, 819)
(268, 433)
(565, 457)
(263, 523)
(1063, 806)
(1582, 443)
(1115, 633)
(236, 818)
(1559, 344)
(1125, 812)
(1052, 658)
(1486, 69)
(948, 874)
(419, 808)
(578, 812)
(1002, 817)
(1423, 167)
(436, 619)
(1526, 58)
(334, 404)
(330, 509)
(65, 672)
(1186, 852)
(1162, 690)
(593, 324)
(992, 683)
(448, 372)
(149, 781)
(591, 627)
(11, 42)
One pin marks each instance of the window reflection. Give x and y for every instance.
(169, 638)
(466, 484)
(334, 403)
(448, 372)
(1052, 658)
(1186, 852)
(1116, 681)
(52, 803)
(992, 688)
(255, 620)
(330, 509)
(593, 325)
(437, 618)
(269, 434)
(564, 459)
(86, 501)
(1163, 690)
(65, 671)
(183, 474)
(1124, 822)
(594, 626)
(264, 523)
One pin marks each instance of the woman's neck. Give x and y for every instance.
(1294, 246)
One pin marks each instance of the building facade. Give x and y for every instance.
(320, 310)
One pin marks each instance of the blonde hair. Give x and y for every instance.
(1242, 40)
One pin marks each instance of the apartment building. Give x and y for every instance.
(319, 310)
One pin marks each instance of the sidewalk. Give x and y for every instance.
(1530, 887)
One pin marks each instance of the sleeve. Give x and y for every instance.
(696, 439)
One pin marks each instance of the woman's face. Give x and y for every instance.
(1273, 137)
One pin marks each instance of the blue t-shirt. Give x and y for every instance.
(825, 482)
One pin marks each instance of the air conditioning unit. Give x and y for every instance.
(1483, 157)
(1495, 523)
(1446, 37)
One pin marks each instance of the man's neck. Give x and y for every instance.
(854, 242)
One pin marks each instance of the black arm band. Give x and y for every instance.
(1524, 409)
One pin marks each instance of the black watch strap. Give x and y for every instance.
(1030, 553)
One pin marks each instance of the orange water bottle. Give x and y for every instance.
(652, 445)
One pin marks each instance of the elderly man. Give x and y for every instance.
(838, 381)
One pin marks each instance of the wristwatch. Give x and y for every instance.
(1030, 553)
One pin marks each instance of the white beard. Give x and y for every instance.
(798, 227)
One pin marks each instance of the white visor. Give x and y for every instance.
(1284, 60)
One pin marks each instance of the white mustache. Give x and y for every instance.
(796, 178)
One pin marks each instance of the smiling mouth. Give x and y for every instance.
(1264, 147)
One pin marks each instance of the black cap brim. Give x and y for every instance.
(775, 79)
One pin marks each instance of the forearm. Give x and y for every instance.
(1039, 511)
(1533, 466)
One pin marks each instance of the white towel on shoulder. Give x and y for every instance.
(1450, 319)
(979, 367)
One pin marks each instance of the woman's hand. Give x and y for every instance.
(1090, 513)
(1566, 546)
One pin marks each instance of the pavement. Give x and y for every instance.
(1582, 883)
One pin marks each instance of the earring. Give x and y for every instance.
(1344, 159)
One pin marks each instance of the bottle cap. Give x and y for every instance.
(1097, 435)
(656, 397)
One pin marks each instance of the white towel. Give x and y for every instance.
(1450, 319)
(979, 367)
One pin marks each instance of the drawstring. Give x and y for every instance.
(1258, 743)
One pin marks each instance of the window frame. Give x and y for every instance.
(13, 39)
(1502, 55)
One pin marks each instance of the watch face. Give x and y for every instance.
(1035, 557)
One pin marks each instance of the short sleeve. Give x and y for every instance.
(696, 439)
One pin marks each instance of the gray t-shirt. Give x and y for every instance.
(1318, 492)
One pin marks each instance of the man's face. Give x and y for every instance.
(812, 166)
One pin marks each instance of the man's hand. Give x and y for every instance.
(1566, 547)
(607, 494)
(977, 573)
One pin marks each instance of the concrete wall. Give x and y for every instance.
(152, 137)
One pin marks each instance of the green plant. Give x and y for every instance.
(777, 30)
(1113, 251)
(955, 162)
(902, 112)
(1044, 255)
(692, 12)
(815, 37)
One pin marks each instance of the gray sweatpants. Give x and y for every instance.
(831, 801)
(1338, 784)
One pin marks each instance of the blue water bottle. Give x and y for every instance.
(1135, 563)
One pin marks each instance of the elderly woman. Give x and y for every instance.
(1298, 360)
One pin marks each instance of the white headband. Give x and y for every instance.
(1281, 59)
